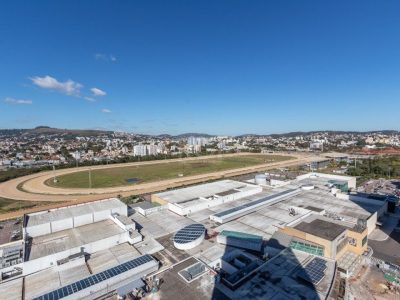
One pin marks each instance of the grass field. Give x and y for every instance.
(147, 173)
(9, 205)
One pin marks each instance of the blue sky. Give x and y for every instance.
(221, 67)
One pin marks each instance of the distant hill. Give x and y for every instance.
(305, 133)
(79, 132)
(45, 130)
(185, 135)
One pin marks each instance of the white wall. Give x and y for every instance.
(101, 215)
(121, 210)
(76, 221)
(208, 202)
(371, 222)
(83, 220)
(38, 230)
(62, 225)
(122, 225)
(149, 211)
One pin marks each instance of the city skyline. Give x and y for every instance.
(220, 68)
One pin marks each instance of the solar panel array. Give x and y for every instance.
(189, 233)
(314, 271)
(95, 279)
(253, 203)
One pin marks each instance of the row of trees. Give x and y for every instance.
(386, 167)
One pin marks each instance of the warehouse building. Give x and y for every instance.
(265, 242)
(196, 198)
(109, 280)
(58, 219)
(83, 229)
(333, 238)
(81, 252)
(289, 275)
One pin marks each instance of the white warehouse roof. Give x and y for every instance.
(201, 191)
(62, 213)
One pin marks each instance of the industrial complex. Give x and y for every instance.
(253, 238)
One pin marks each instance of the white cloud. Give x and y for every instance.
(90, 99)
(68, 87)
(100, 56)
(105, 57)
(106, 111)
(97, 92)
(18, 101)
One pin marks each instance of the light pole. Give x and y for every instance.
(90, 178)
(54, 174)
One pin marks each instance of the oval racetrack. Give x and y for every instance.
(33, 187)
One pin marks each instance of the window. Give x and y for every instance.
(364, 240)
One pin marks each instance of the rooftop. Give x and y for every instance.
(200, 191)
(125, 220)
(143, 205)
(72, 211)
(313, 208)
(105, 259)
(34, 283)
(12, 290)
(278, 279)
(71, 238)
(321, 228)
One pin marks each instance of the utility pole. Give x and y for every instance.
(90, 178)
(54, 174)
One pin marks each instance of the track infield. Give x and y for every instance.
(131, 175)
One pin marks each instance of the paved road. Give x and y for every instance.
(382, 234)
(387, 250)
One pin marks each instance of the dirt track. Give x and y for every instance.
(33, 187)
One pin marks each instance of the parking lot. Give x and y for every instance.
(388, 250)
(10, 231)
